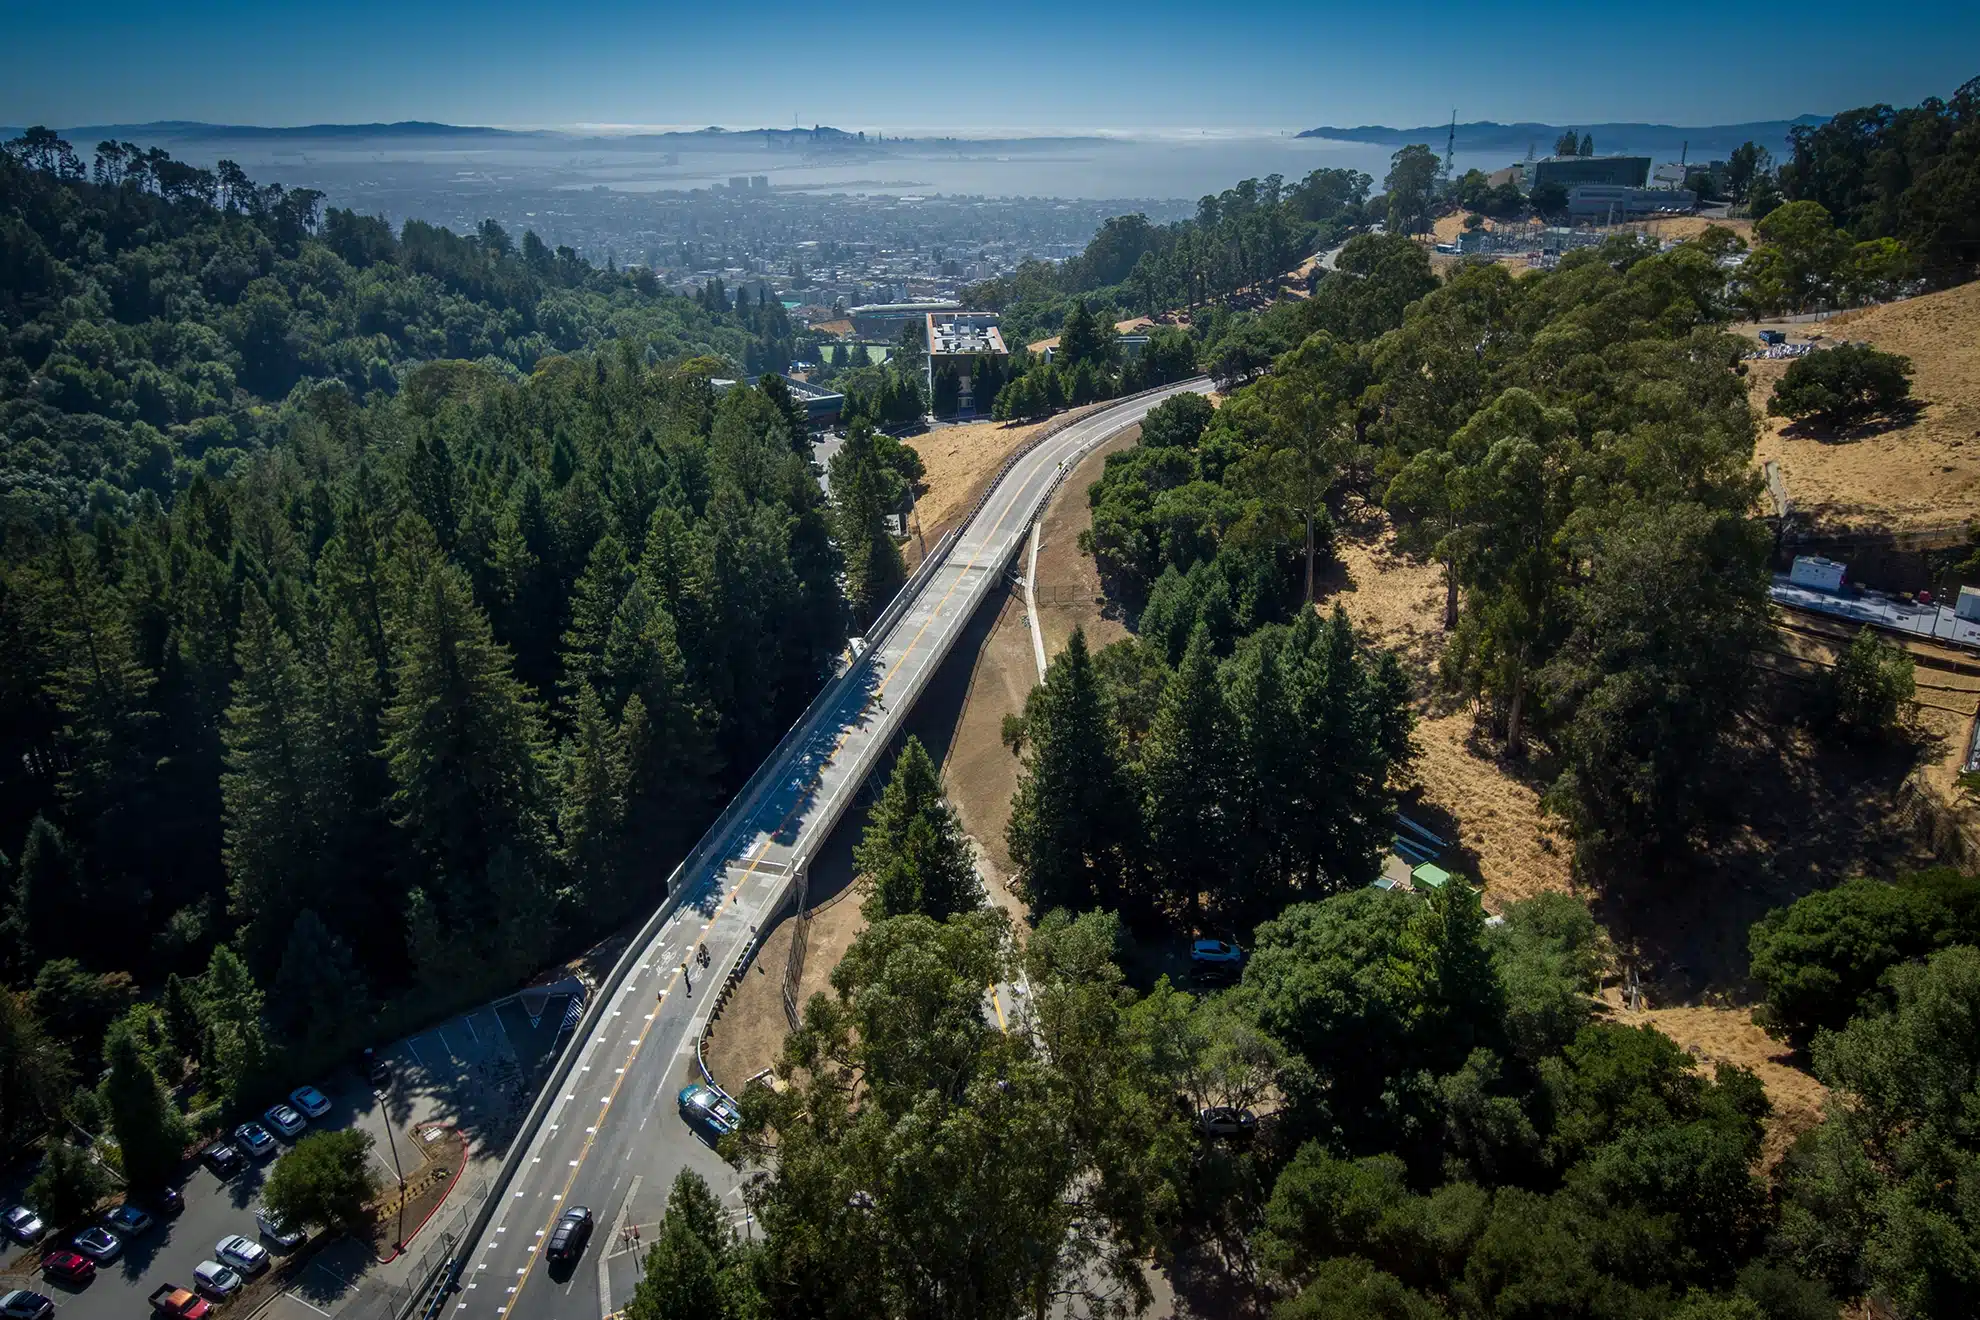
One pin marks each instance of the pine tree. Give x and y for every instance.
(273, 836)
(463, 744)
(594, 602)
(104, 690)
(1344, 809)
(862, 493)
(150, 1132)
(234, 1051)
(181, 1011)
(1268, 765)
(317, 991)
(591, 813)
(50, 910)
(914, 856)
(1073, 818)
(1188, 767)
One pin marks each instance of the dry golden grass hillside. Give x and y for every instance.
(1923, 471)
(1466, 789)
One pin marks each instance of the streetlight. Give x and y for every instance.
(392, 1140)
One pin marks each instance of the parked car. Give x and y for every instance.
(167, 1200)
(99, 1244)
(224, 1160)
(243, 1253)
(1215, 951)
(312, 1102)
(254, 1139)
(285, 1120)
(376, 1070)
(23, 1224)
(20, 1304)
(70, 1267)
(172, 1302)
(567, 1239)
(708, 1109)
(216, 1280)
(276, 1229)
(1225, 1121)
(128, 1221)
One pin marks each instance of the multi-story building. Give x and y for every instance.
(957, 340)
(1617, 171)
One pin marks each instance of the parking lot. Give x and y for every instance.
(474, 1073)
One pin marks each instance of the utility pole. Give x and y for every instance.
(391, 1138)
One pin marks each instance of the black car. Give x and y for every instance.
(167, 1201)
(567, 1239)
(224, 1160)
(20, 1304)
(376, 1070)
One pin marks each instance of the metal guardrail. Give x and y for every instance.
(827, 816)
(743, 803)
(717, 835)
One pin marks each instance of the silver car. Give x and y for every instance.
(24, 1224)
(215, 1280)
(284, 1120)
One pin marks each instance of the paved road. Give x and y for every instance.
(613, 1140)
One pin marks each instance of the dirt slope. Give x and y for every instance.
(1923, 471)
(1467, 793)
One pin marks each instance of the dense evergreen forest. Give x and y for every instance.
(339, 678)
(153, 313)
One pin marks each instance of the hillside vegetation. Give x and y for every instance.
(152, 313)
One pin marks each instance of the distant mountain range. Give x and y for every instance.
(1660, 140)
(167, 131)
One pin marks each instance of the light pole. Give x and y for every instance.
(392, 1140)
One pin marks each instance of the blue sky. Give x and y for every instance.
(1101, 64)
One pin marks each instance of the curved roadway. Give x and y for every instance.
(612, 1141)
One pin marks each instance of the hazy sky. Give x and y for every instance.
(1100, 64)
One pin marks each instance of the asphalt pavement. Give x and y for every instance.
(613, 1140)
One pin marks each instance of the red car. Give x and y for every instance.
(69, 1267)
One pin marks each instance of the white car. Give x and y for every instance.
(284, 1120)
(216, 1280)
(311, 1101)
(244, 1254)
(276, 1229)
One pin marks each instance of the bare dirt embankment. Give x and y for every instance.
(1919, 470)
(1466, 791)
(959, 462)
(1070, 593)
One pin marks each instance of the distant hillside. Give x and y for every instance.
(1486, 135)
(163, 130)
(182, 132)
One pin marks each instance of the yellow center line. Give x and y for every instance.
(584, 1152)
